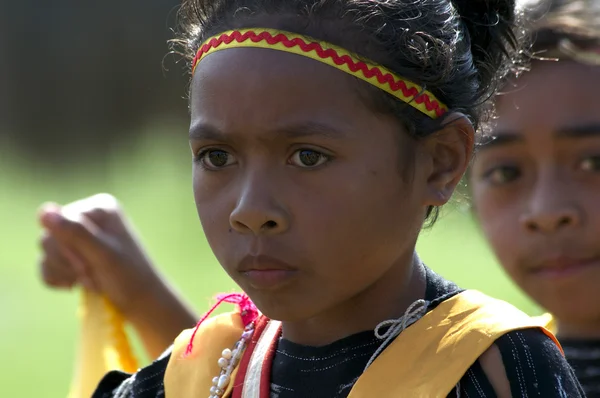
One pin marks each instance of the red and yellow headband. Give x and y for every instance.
(335, 56)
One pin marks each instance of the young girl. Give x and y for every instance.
(324, 133)
(536, 185)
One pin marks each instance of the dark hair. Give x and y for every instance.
(566, 27)
(459, 50)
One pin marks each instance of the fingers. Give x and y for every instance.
(99, 208)
(83, 272)
(87, 236)
(69, 245)
(101, 201)
(73, 231)
(54, 268)
(45, 210)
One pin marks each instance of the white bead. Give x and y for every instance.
(223, 381)
(223, 362)
(226, 353)
(227, 362)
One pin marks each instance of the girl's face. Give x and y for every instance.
(298, 184)
(536, 188)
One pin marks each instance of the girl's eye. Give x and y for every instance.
(591, 163)
(502, 174)
(213, 159)
(308, 158)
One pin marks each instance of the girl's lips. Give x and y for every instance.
(265, 272)
(268, 278)
(561, 267)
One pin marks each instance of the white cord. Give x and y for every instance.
(412, 314)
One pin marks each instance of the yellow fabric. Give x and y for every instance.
(547, 321)
(427, 360)
(103, 345)
(438, 349)
(192, 376)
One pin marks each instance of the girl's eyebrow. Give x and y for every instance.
(579, 131)
(572, 132)
(204, 131)
(501, 139)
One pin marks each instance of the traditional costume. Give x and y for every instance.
(432, 351)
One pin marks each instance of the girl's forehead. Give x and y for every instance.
(259, 96)
(254, 86)
(551, 96)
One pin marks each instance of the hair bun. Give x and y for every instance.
(489, 24)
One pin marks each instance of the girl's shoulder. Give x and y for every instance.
(525, 363)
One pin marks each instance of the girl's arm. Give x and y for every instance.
(159, 317)
(91, 243)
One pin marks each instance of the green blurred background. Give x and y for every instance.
(88, 104)
(38, 331)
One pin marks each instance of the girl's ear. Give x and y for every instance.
(450, 150)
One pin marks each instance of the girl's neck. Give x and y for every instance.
(578, 330)
(388, 298)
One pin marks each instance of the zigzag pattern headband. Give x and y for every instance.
(335, 56)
